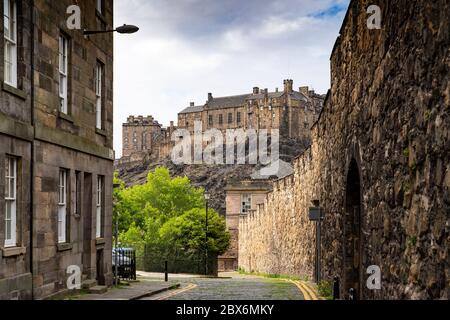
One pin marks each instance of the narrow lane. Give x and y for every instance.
(235, 287)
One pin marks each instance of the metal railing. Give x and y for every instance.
(124, 264)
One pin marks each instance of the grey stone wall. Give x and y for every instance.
(387, 112)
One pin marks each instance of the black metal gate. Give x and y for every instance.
(124, 264)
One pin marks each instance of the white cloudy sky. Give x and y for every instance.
(187, 48)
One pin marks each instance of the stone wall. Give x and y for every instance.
(381, 149)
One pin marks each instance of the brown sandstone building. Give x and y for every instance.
(241, 200)
(56, 156)
(292, 112)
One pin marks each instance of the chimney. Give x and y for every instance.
(288, 85)
(266, 92)
(210, 97)
(276, 90)
(130, 119)
(304, 90)
(255, 90)
(192, 104)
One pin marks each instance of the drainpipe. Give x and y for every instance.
(32, 147)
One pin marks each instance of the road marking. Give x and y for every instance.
(304, 292)
(310, 290)
(177, 292)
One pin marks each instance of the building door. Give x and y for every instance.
(352, 233)
(99, 268)
(88, 247)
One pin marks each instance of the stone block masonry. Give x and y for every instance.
(379, 163)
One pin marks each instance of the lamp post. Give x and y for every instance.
(116, 283)
(207, 197)
(125, 29)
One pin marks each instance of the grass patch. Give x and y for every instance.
(325, 289)
(274, 276)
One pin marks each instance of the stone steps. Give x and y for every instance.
(98, 289)
(88, 284)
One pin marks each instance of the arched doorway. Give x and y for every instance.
(352, 232)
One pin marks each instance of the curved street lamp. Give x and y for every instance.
(125, 29)
(207, 196)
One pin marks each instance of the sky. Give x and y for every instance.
(188, 48)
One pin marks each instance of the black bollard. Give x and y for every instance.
(166, 271)
(336, 289)
(352, 294)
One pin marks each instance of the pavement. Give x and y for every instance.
(134, 291)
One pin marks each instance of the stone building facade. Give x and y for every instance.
(241, 199)
(16, 138)
(378, 165)
(58, 124)
(292, 112)
(144, 137)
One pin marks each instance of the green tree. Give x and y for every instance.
(166, 216)
(187, 232)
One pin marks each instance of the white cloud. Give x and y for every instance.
(187, 48)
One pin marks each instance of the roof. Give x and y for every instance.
(227, 102)
(240, 100)
(192, 109)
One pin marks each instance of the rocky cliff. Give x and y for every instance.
(212, 177)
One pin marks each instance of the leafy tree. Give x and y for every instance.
(168, 216)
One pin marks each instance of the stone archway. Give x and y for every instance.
(353, 232)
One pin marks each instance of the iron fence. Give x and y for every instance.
(124, 264)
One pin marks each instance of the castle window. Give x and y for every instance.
(238, 117)
(10, 41)
(246, 203)
(220, 119)
(211, 120)
(230, 118)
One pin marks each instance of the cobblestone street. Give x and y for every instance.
(232, 287)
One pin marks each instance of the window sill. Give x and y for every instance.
(14, 91)
(66, 117)
(13, 252)
(100, 132)
(64, 247)
(100, 241)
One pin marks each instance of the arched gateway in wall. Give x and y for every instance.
(353, 233)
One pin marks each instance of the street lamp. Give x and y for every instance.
(125, 29)
(116, 274)
(207, 197)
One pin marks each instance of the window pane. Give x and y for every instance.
(8, 220)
